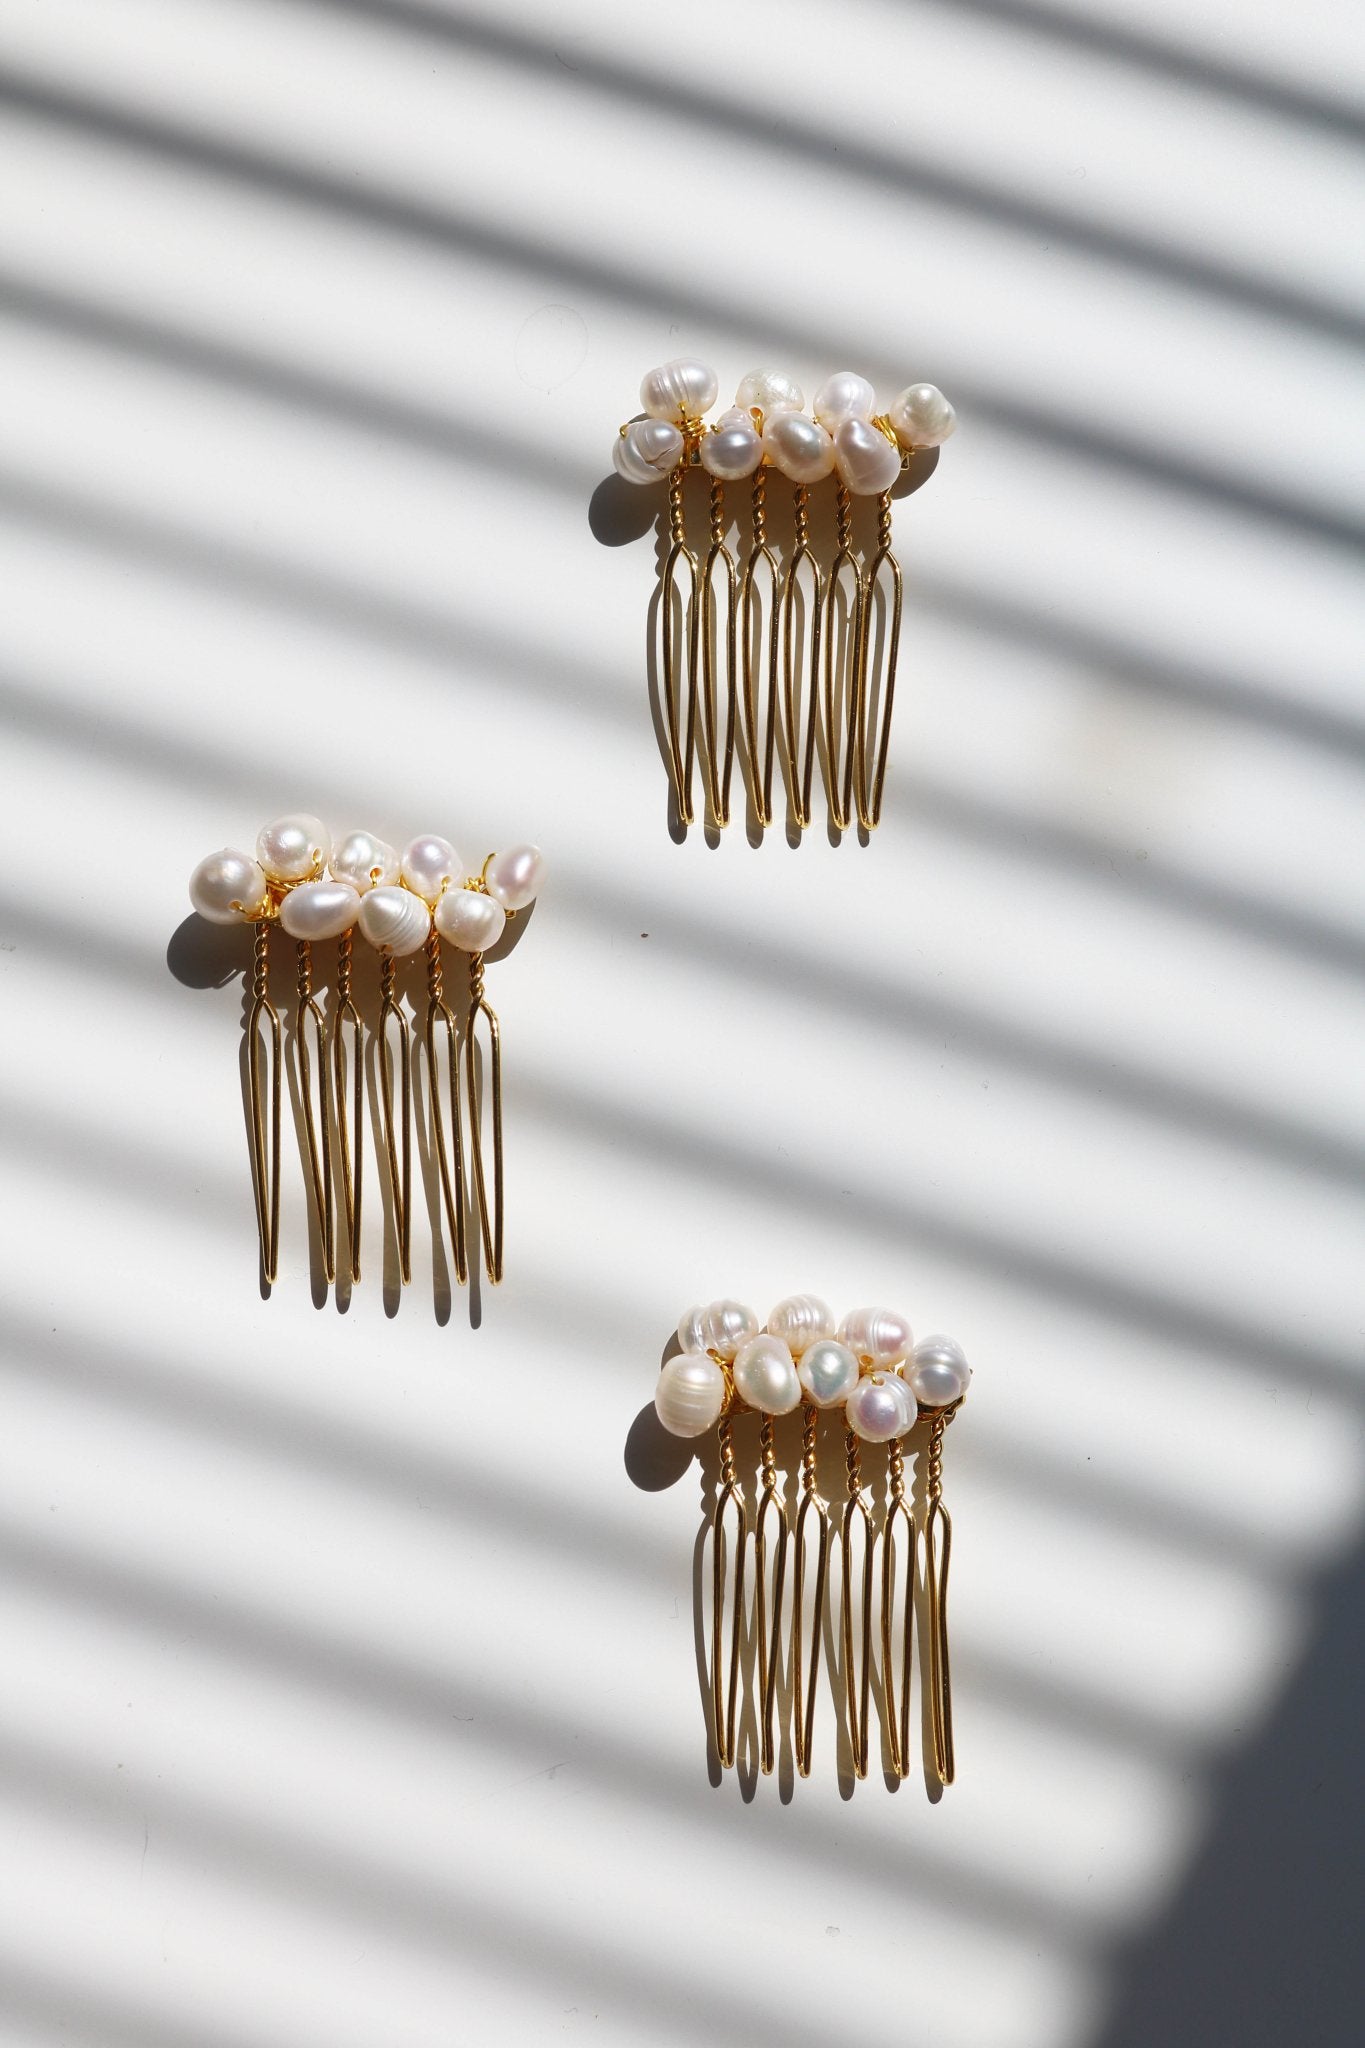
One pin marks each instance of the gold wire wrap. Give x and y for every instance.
(857, 1641)
(800, 664)
(769, 1611)
(841, 711)
(350, 1130)
(936, 1518)
(490, 1218)
(679, 594)
(725, 1666)
(806, 1666)
(718, 756)
(263, 1053)
(871, 689)
(897, 1693)
(448, 1142)
(760, 701)
(397, 1118)
(317, 1123)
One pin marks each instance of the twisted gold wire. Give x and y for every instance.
(317, 1124)
(799, 749)
(350, 1131)
(725, 1669)
(397, 1117)
(897, 1697)
(718, 760)
(811, 1506)
(857, 1667)
(769, 1612)
(842, 668)
(938, 1522)
(490, 1216)
(447, 1142)
(883, 563)
(263, 1070)
(760, 703)
(678, 591)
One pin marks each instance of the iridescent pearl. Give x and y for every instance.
(679, 388)
(647, 451)
(880, 1407)
(829, 1372)
(799, 1320)
(516, 876)
(877, 1335)
(798, 446)
(921, 416)
(430, 865)
(868, 463)
(844, 396)
(228, 887)
(726, 1325)
(394, 920)
(364, 861)
(731, 452)
(690, 1394)
(320, 910)
(765, 1377)
(294, 849)
(692, 1330)
(772, 391)
(470, 920)
(938, 1372)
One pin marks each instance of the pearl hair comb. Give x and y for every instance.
(885, 1385)
(316, 889)
(805, 649)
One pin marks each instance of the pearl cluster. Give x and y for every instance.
(768, 424)
(320, 888)
(870, 1366)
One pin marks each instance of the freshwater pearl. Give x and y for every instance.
(765, 1377)
(921, 416)
(731, 452)
(844, 396)
(799, 1320)
(470, 920)
(938, 1372)
(516, 876)
(726, 1325)
(881, 1407)
(320, 910)
(364, 861)
(294, 848)
(771, 391)
(228, 887)
(431, 864)
(679, 387)
(394, 920)
(867, 461)
(797, 445)
(828, 1371)
(692, 1329)
(690, 1394)
(647, 451)
(878, 1335)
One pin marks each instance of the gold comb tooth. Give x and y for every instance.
(725, 1665)
(449, 1143)
(317, 1126)
(718, 756)
(857, 1639)
(806, 1673)
(799, 747)
(263, 1053)
(678, 595)
(873, 689)
(842, 668)
(350, 1130)
(772, 1509)
(760, 699)
(938, 1524)
(490, 1216)
(897, 1691)
(396, 1113)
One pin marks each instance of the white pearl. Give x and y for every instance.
(690, 1394)
(844, 396)
(731, 452)
(771, 391)
(320, 910)
(294, 849)
(828, 1371)
(867, 461)
(394, 920)
(765, 1377)
(881, 1407)
(516, 876)
(678, 388)
(228, 887)
(692, 1330)
(921, 416)
(878, 1335)
(799, 1320)
(431, 864)
(726, 1325)
(939, 1372)
(470, 920)
(736, 416)
(364, 861)
(647, 451)
(798, 446)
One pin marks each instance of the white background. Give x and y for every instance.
(348, 1692)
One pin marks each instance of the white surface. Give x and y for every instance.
(333, 1713)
